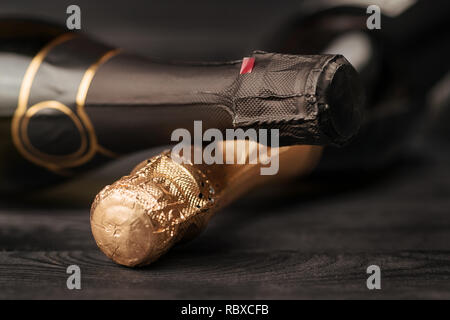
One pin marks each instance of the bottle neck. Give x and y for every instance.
(279, 164)
(157, 95)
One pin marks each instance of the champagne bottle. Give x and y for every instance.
(69, 103)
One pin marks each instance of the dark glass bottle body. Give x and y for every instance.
(68, 103)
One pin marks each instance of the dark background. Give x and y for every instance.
(196, 30)
(314, 239)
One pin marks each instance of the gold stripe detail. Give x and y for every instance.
(81, 100)
(106, 152)
(52, 104)
(87, 133)
(24, 94)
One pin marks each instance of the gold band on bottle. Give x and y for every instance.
(89, 145)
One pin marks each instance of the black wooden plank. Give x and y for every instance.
(298, 244)
(246, 275)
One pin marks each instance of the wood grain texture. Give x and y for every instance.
(247, 275)
(295, 243)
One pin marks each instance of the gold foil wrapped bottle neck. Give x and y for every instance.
(140, 216)
(164, 201)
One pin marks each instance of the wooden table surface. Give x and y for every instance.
(291, 245)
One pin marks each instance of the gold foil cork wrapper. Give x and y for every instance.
(139, 217)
